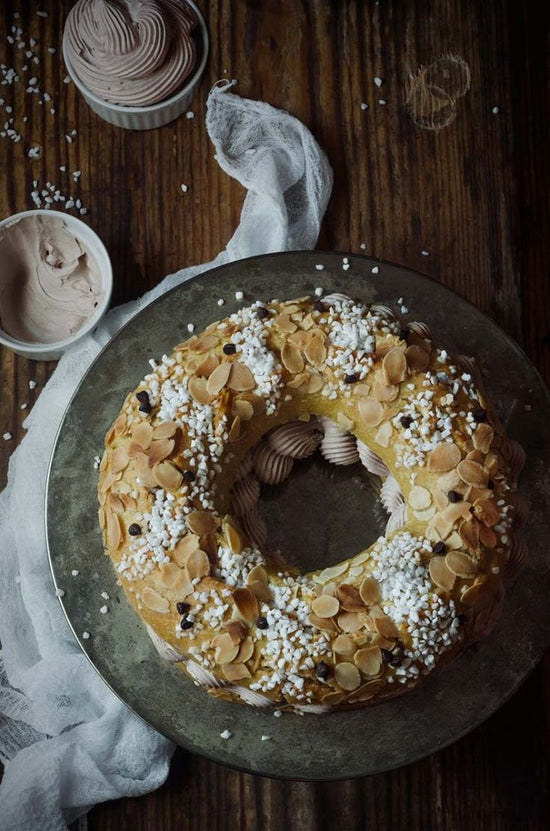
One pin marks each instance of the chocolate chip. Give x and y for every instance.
(229, 348)
(480, 415)
(262, 312)
(146, 407)
(390, 658)
(182, 608)
(406, 421)
(404, 334)
(462, 619)
(351, 378)
(262, 623)
(322, 670)
(319, 306)
(185, 623)
(491, 485)
(134, 529)
(439, 547)
(143, 396)
(454, 496)
(188, 476)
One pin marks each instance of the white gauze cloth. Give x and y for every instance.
(66, 740)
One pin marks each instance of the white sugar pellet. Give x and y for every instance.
(32, 385)
(266, 738)
(190, 114)
(364, 105)
(103, 610)
(382, 101)
(495, 110)
(226, 734)
(69, 139)
(75, 572)
(7, 436)
(345, 266)
(425, 253)
(221, 301)
(363, 246)
(378, 81)
(277, 713)
(190, 327)
(375, 270)
(42, 14)
(24, 406)
(85, 635)
(239, 295)
(319, 291)
(105, 596)
(184, 188)
(67, 79)
(52, 50)
(320, 267)
(59, 593)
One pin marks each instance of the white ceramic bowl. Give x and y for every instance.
(53, 351)
(155, 115)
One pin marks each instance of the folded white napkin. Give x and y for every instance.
(66, 740)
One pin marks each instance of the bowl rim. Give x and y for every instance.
(96, 247)
(159, 105)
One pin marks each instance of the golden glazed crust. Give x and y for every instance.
(234, 406)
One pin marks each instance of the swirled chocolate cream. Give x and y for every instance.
(131, 52)
(50, 284)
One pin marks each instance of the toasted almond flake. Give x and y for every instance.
(257, 401)
(226, 650)
(237, 629)
(292, 358)
(299, 339)
(171, 575)
(384, 434)
(417, 358)
(332, 572)
(384, 392)
(165, 430)
(473, 473)
(368, 661)
(167, 476)
(370, 591)
(119, 427)
(444, 457)
(419, 498)
(321, 623)
(486, 512)
(142, 434)
(260, 590)
(315, 350)
(202, 522)
(285, 324)
(246, 604)
(349, 621)
(113, 530)
(440, 573)
(115, 503)
(257, 573)
(483, 437)
(361, 389)
(487, 536)
(325, 606)
(219, 378)
(344, 645)
(371, 412)
(344, 422)
(159, 450)
(119, 460)
(198, 564)
(347, 676)
(315, 383)
(332, 698)
(203, 344)
(154, 601)
(476, 456)
(206, 367)
(236, 672)
(349, 598)
(461, 564)
(366, 692)
(241, 378)
(233, 537)
(478, 595)
(185, 547)
(243, 409)
(448, 481)
(427, 514)
(246, 651)
(235, 429)
(209, 544)
(300, 380)
(385, 626)
(198, 390)
(441, 500)
(395, 366)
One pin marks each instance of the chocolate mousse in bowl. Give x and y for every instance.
(136, 62)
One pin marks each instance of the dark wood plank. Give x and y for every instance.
(473, 195)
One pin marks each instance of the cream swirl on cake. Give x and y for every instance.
(131, 52)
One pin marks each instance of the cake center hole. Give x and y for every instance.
(322, 513)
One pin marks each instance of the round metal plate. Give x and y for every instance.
(344, 744)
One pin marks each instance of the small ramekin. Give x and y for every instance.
(155, 115)
(53, 351)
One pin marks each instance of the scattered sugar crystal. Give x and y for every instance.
(104, 609)
(42, 14)
(266, 738)
(190, 327)
(226, 734)
(59, 593)
(320, 267)
(378, 81)
(364, 105)
(184, 188)
(425, 253)
(495, 110)
(221, 301)
(382, 101)
(75, 572)
(24, 406)
(32, 385)
(7, 436)
(375, 270)
(277, 713)
(363, 246)
(239, 295)
(85, 635)
(105, 596)
(190, 114)
(319, 291)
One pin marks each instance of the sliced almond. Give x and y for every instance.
(361, 389)
(154, 601)
(115, 503)
(198, 390)
(292, 358)
(486, 512)
(241, 378)
(260, 590)
(226, 650)
(385, 392)
(299, 339)
(219, 378)
(119, 460)
(236, 672)
(344, 645)
(444, 457)
(461, 564)
(113, 530)
(165, 430)
(366, 691)
(469, 533)
(235, 429)
(198, 564)
(332, 572)
(371, 412)
(207, 366)
(370, 591)
(440, 573)
(487, 536)
(237, 629)
(483, 437)
(285, 324)
(258, 403)
(448, 481)
(233, 537)
(204, 343)
(185, 547)
(384, 434)
(419, 498)
(246, 651)
(159, 450)
(316, 351)
(349, 598)
(473, 473)
(167, 476)
(344, 422)
(246, 604)
(386, 627)
(331, 699)
(479, 595)
(202, 522)
(209, 545)
(321, 623)
(417, 358)
(395, 366)
(476, 456)
(315, 383)
(243, 409)
(142, 434)
(427, 514)
(347, 676)
(349, 622)
(258, 573)
(368, 661)
(171, 575)
(325, 606)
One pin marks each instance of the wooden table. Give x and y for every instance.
(473, 196)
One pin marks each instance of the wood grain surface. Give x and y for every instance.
(473, 195)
